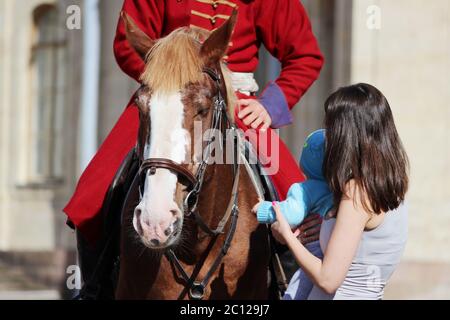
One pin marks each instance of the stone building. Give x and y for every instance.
(402, 47)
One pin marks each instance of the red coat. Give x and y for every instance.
(282, 26)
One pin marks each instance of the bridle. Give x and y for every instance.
(194, 186)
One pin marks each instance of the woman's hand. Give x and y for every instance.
(332, 214)
(281, 229)
(253, 114)
(309, 230)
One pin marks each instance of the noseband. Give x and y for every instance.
(194, 186)
(150, 166)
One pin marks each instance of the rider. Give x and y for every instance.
(282, 26)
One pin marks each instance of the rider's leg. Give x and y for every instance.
(98, 261)
(85, 205)
(96, 264)
(87, 257)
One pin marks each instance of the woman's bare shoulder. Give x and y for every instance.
(355, 195)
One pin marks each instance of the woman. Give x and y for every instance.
(366, 168)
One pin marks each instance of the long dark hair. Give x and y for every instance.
(363, 145)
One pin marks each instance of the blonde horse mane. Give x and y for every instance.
(174, 61)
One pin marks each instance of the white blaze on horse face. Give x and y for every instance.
(168, 140)
(168, 137)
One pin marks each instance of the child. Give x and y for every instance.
(311, 196)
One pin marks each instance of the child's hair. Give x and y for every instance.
(362, 144)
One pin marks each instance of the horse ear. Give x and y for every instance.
(215, 47)
(140, 42)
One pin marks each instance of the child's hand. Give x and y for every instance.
(255, 208)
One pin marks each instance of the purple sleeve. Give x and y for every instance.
(274, 101)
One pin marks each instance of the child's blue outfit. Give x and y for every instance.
(311, 196)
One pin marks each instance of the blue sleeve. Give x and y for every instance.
(294, 208)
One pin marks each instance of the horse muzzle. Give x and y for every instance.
(158, 234)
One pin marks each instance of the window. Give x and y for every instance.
(48, 95)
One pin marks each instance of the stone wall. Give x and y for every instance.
(408, 59)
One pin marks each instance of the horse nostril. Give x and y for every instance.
(137, 212)
(174, 212)
(168, 232)
(154, 242)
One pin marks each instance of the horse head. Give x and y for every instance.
(176, 93)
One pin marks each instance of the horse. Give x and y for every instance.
(187, 228)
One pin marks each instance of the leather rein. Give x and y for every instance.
(194, 184)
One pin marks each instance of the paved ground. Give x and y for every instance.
(419, 281)
(15, 285)
(410, 281)
(30, 295)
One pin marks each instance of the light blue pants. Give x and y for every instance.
(300, 285)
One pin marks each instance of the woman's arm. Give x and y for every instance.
(345, 238)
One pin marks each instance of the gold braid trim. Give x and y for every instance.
(224, 2)
(211, 18)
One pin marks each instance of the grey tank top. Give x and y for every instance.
(376, 258)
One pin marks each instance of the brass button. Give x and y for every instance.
(215, 5)
(213, 20)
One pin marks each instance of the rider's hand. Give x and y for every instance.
(253, 113)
